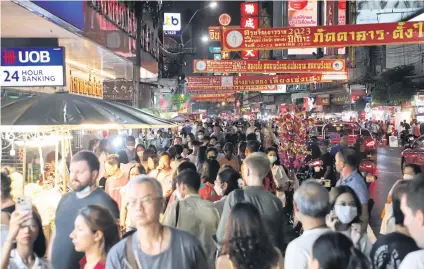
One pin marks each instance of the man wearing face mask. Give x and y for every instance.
(130, 147)
(84, 170)
(116, 178)
(200, 135)
(194, 214)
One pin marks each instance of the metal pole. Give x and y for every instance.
(137, 64)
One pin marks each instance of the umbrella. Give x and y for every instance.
(75, 112)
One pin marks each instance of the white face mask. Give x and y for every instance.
(345, 213)
(408, 177)
(200, 137)
(177, 195)
(218, 190)
(272, 159)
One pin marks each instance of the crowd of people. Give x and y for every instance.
(213, 196)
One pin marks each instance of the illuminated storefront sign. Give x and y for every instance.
(323, 36)
(172, 23)
(302, 14)
(30, 67)
(224, 19)
(219, 89)
(214, 33)
(269, 66)
(249, 9)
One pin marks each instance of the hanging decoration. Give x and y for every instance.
(293, 130)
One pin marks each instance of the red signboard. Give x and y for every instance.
(269, 66)
(250, 54)
(240, 88)
(224, 19)
(323, 36)
(214, 33)
(249, 9)
(250, 23)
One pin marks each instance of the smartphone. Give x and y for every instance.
(24, 205)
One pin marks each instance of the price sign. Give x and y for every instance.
(30, 67)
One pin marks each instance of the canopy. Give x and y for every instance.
(57, 110)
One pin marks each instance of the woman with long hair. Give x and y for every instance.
(279, 173)
(139, 151)
(246, 243)
(227, 181)
(26, 229)
(95, 234)
(336, 251)
(7, 203)
(344, 217)
(209, 173)
(229, 157)
(103, 152)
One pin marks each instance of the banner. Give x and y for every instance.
(214, 33)
(256, 88)
(269, 66)
(341, 13)
(173, 102)
(302, 14)
(230, 81)
(323, 36)
(209, 96)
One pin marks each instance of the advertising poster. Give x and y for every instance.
(302, 14)
(372, 11)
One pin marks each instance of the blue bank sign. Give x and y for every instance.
(32, 67)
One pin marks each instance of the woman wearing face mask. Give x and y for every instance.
(336, 251)
(124, 218)
(280, 177)
(95, 234)
(409, 172)
(139, 151)
(26, 229)
(344, 217)
(226, 181)
(164, 174)
(229, 157)
(149, 161)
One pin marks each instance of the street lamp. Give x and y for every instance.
(205, 39)
(212, 5)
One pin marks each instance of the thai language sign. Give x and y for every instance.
(302, 14)
(269, 66)
(233, 89)
(323, 36)
(231, 81)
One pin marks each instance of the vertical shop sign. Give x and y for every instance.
(329, 20)
(302, 14)
(249, 20)
(341, 13)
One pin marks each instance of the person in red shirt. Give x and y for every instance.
(95, 234)
(209, 174)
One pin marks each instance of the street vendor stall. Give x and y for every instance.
(48, 121)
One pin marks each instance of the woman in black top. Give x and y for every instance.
(7, 203)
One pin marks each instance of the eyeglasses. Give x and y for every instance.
(146, 200)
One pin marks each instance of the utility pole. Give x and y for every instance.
(136, 67)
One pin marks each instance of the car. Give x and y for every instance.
(413, 153)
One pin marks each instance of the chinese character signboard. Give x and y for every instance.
(341, 13)
(249, 9)
(302, 14)
(118, 90)
(323, 36)
(250, 23)
(224, 19)
(250, 54)
(269, 66)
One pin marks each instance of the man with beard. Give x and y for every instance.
(84, 170)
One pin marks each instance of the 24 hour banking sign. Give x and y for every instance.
(32, 67)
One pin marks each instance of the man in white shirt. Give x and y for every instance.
(412, 206)
(311, 205)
